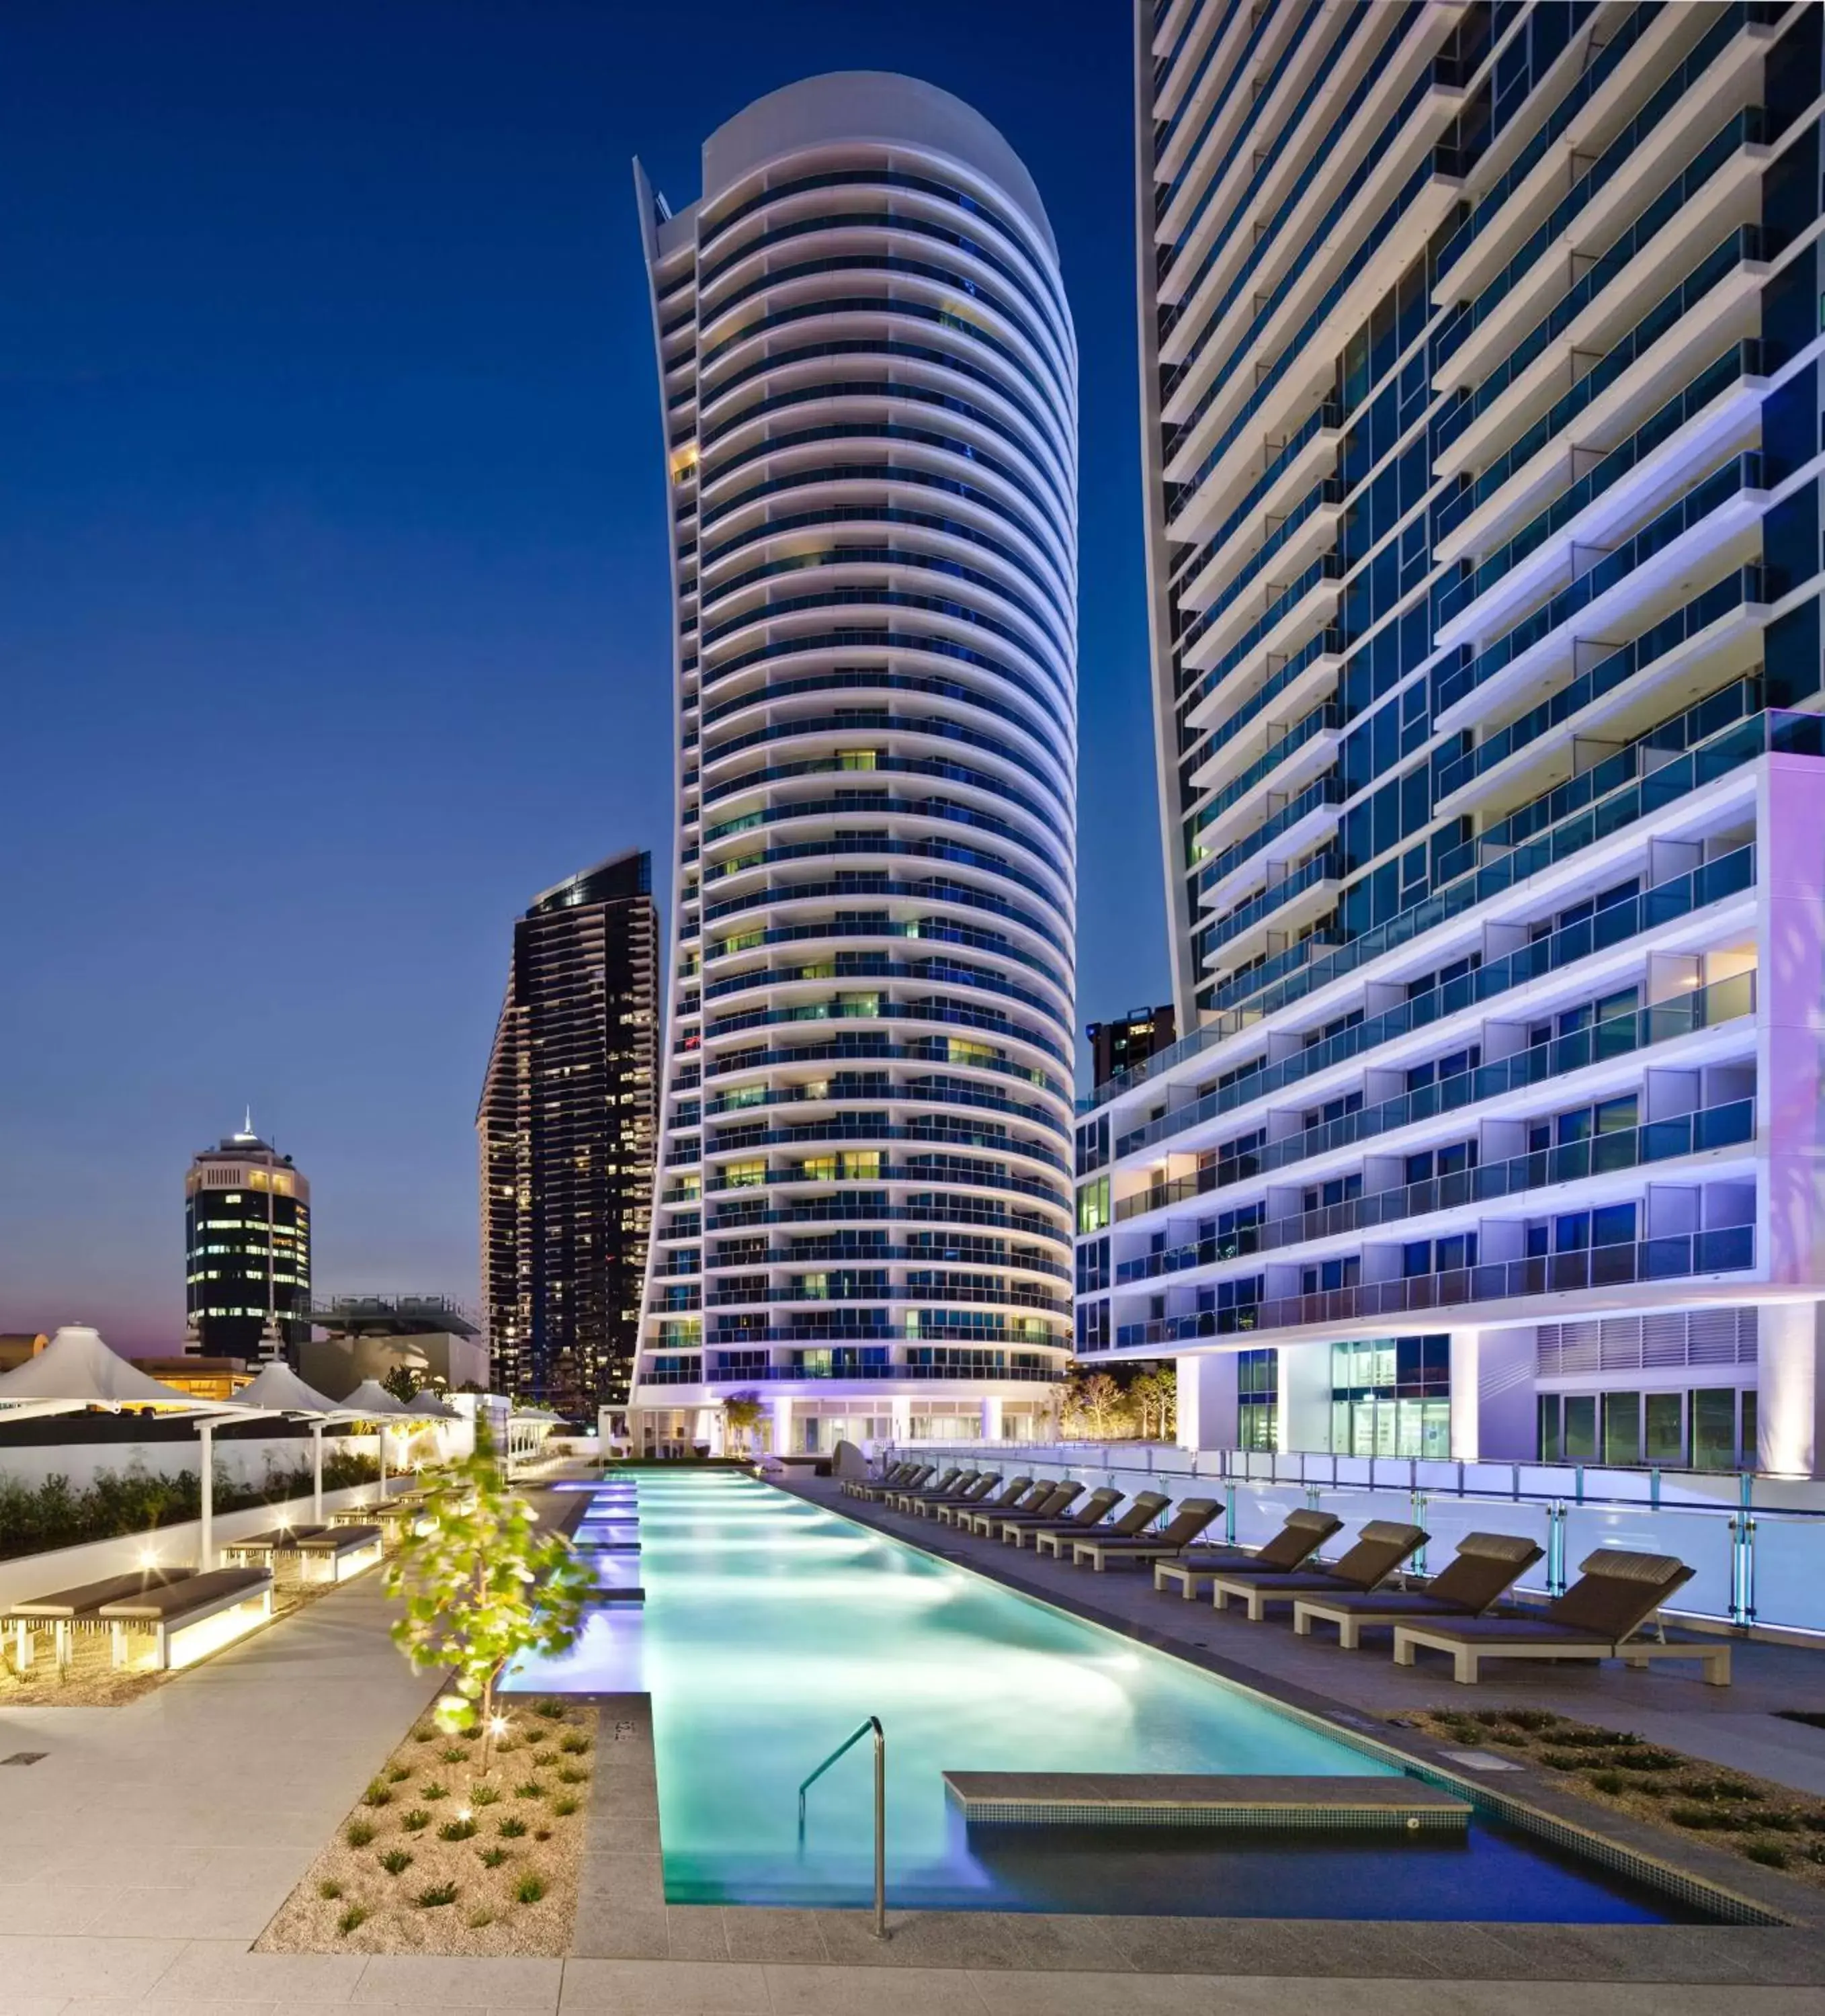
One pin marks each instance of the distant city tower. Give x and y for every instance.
(246, 1250)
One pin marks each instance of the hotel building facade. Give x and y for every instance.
(868, 379)
(1481, 398)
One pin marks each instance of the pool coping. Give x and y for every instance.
(1773, 1936)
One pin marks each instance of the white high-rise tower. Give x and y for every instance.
(868, 377)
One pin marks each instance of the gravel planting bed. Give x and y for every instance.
(440, 1857)
(1762, 1822)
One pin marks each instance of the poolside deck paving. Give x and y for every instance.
(148, 1847)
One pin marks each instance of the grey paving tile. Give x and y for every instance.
(1048, 1941)
(58, 1965)
(983, 1939)
(214, 1970)
(420, 1980)
(607, 1932)
(694, 1931)
(623, 1832)
(841, 1991)
(636, 1881)
(755, 1933)
(663, 1988)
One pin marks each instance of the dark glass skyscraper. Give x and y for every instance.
(566, 1129)
(247, 1250)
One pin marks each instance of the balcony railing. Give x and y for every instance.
(1744, 585)
(1728, 1125)
(1721, 1002)
(1740, 473)
(753, 1375)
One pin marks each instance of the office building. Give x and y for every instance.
(246, 1250)
(566, 1129)
(868, 380)
(1119, 1045)
(1480, 397)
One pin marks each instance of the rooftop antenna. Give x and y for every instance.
(248, 1124)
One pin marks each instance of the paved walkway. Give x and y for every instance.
(149, 1848)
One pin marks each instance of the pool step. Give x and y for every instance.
(1087, 1798)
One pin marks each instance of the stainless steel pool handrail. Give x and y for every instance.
(880, 1810)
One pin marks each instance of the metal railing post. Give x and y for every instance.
(880, 1808)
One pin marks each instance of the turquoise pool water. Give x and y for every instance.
(772, 1627)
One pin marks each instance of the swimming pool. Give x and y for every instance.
(772, 1627)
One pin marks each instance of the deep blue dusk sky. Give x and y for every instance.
(332, 591)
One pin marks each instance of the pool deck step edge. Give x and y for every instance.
(1085, 1799)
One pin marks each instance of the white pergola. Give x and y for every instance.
(77, 1372)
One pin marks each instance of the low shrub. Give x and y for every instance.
(328, 1888)
(136, 1500)
(355, 1915)
(377, 1795)
(484, 1795)
(568, 1774)
(438, 1894)
(574, 1743)
(563, 1808)
(529, 1888)
(511, 1829)
(416, 1821)
(456, 1830)
(492, 1858)
(396, 1861)
(529, 1789)
(431, 1789)
(483, 1916)
(357, 1833)
(397, 1774)
(551, 1710)
(1770, 1854)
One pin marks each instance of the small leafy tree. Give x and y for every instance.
(741, 1414)
(402, 1383)
(1154, 1396)
(482, 1585)
(1097, 1408)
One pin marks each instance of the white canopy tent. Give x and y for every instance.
(278, 1390)
(371, 1402)
(77, 1371)
(429, 1407)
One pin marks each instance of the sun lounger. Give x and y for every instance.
(1142, 1511)
(1029, 1498)
(937, 1488)
(1299, 1538)
(339, 1553)
(66, 1611)
(1004, 1500)
(1382, 1547)
(1048, 1491)
(1086, 1516)
(895, 1475)
(1484, 1567)
(1615, 1594)
(1048, 1506)
(230, 1600)
(972, 1493)
(1101, 1550)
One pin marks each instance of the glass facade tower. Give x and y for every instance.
(1479, 389)
(868, 379)
(567, 1130)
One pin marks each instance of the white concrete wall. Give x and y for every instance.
(246, 1462)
